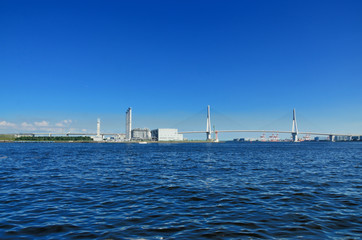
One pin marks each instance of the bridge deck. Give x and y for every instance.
(216, 131)
(272, 131)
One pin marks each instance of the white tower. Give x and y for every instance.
(208, 124)
(294, 128)
(128, 124)
(98, 127)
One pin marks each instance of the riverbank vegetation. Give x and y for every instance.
(7, 137)
(55, 138)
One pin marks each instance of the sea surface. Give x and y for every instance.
(181, 191)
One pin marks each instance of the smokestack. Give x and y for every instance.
(128, 124)
(98, 127)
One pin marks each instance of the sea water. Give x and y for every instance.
(181, 191)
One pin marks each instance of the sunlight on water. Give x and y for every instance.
(180, 191)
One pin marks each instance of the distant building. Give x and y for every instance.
(239, 140)
(166, 134)
(24, 135)
(117, 138)
(354, 138)
(342, 138)
(120, 137)
(97, 138)
(141, 134)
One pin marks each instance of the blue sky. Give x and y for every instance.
(65, 63)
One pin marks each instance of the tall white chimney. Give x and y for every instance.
(128, 124)
(98, 127)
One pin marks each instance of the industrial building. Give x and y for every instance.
(117, 138)
(166, 134)
(141, 134)
(138, 134)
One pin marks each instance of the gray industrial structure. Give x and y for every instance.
(141, 134)
(166, 134)
(129, 124)
(160, 134)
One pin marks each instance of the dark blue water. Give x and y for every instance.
(180, 191)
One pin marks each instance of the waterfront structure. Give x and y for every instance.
(208, 124)
(98, 137)
(116, 138)
(120, 137)
(294, 132)
(141, 134)
(354, 138)
(24, 135)
(166, 134)
(129, 124)
(343, 138)
(294, 128)
(239, 139)
(98, 127)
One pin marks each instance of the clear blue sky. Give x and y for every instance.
(253, 61)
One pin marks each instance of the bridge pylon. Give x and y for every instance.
(294, 128)
(208, 124)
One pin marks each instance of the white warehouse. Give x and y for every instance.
(166, 134)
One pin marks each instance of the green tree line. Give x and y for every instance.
(54, 138)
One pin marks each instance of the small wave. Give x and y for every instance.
(228, 234)
(196, 199)
(167, 230)
(6, 226)
(250, 225)
(42, 230)
(82, 235)
(302, 194)
(102, 192)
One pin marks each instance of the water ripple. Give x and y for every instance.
(180, 191)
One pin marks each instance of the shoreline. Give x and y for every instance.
(13, 141)
(164, 142)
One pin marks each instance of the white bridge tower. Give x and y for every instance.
(294, 128)
(208, 124)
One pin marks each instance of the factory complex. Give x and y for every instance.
(139, 134)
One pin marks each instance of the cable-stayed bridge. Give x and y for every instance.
(294, 132)
(208, 131)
